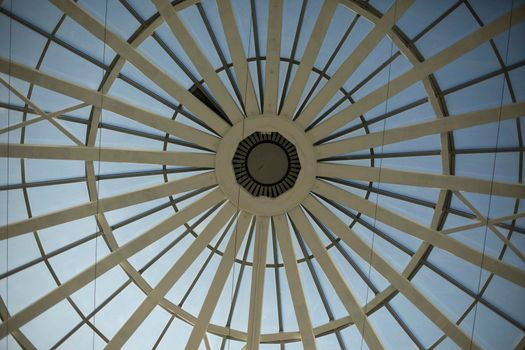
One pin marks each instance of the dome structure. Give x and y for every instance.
(262, 174)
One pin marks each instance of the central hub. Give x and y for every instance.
(266, 164)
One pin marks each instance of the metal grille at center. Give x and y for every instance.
(266, 164)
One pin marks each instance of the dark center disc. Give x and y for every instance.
(267, 163)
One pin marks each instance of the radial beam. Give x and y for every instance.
(433, 237)
(149, 69)
(240, 64)
(418, 72)
(171, 277)
(336, 278)
(354, 60)
(282, 232)
(109, 103)
(414, 131)
(109, 261)
(399, 282)
(198, 59)
(219, 280)
(273, 56)
(257, 285)
(120, 155)
(310, 54)
(450, 182)
(107, 204)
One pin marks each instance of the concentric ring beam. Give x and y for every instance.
(450, 182)
(119, 155)
(171, 277)
(336, 278)
(418, 72)
(240, 65)
(219, 280)
(381, 28)
(414, 131)
(109, 103)
(433, 237)
(399, 282)
(257, 283)
(310, 54)
(108, 262)
(132, 55)
(282, 232)
(198, 58)
(273, 56)
(107, 204)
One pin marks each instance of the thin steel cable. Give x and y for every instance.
(494, 158)
(379, 177)
(238, 185)
(97, 181)
(7, 175)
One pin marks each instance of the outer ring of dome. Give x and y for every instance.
(412, 54)
(265, 206)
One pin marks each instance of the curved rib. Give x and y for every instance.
(433, 237)
(386, 270)
(108, 262)
(171, 277)
(418, 72)
(132, 55)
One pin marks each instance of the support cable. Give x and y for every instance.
(238, 185)
(494, 158)
(7, 175)
(97, 181)
(379, 176)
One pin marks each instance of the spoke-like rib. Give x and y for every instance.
(198, 58)
(273, 56)
(112, 104)
(107, 204)
(399, 282)
(414, 131)
(257, 286)
(336, 278)
(353, 61)
(121, 155)
(171, 277)
(219, 280)
(294, 281)
(108, 262)
(450, 182)
(433, 237)
(132, 55)
(309, 57)
(418, 72)
(233, 38)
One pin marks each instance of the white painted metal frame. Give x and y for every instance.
(311, 156)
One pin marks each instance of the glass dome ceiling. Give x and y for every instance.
(123, 225)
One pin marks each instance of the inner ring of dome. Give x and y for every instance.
(266, 164)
